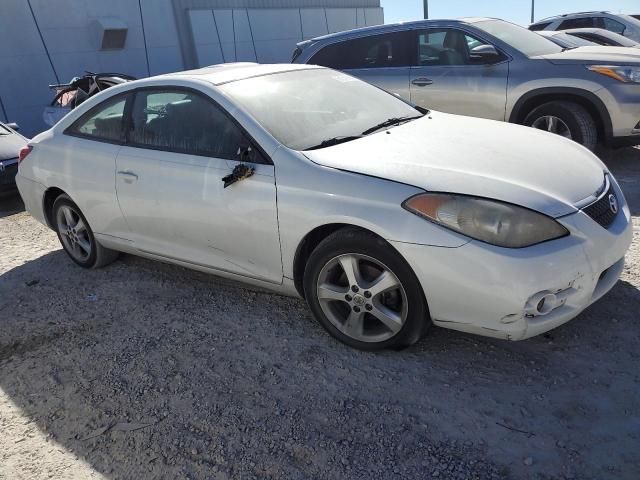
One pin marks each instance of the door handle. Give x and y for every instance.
(422, 82)
(129, 177)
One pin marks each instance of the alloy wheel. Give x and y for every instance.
(73, 233)
(362, 297)
(552, 124)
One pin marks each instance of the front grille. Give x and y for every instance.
(601, 210)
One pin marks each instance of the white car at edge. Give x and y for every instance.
(309, 182)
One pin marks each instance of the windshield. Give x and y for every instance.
(527, 42)
(574, 41)
(304, 108)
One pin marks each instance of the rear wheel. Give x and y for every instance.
(566, 119)
(364, 293)
(76, 235)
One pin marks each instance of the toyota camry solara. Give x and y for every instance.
(384, 217)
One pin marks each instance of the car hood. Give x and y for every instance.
(456, 154)
(596, 54)
(10, 145)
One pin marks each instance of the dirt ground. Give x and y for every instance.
(145, 370)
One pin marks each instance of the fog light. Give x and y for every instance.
(540, 304)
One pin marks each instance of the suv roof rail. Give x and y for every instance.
(570, 14)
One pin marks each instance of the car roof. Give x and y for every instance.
(567, 15)
(394, 26)
(231, 72)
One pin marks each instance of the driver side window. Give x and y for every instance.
(184, 121)
(447, 47)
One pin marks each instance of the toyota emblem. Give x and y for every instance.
(613, 203)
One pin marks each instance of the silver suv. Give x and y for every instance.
(626, 25)
(493, 69)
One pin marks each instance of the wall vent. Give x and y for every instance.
(112, 33)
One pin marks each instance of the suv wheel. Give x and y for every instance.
(567, 119)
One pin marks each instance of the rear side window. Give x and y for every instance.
(103, 122)
(613, 25)
(375, 51)
(184, 122)
(539, 26)
(584, 22)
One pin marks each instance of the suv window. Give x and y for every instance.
(539, 26)
(375, 51)
(105, 121)
(446, 47)
(583, 22)
(612, 25)
(184, 121)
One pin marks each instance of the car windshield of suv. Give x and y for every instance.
(529, 43)
(313, 108)
(573, 41)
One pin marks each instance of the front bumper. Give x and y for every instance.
(488, 290)
(622, 102)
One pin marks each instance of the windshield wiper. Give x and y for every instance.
(390, 122)
(330, 142)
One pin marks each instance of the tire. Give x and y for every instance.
(76, 237)
(353, 316)
(581, 125)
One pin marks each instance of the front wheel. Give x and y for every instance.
(566, 119)
(364, 293)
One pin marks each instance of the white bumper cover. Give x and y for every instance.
(488, 290)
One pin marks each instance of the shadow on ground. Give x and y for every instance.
(10, 204)
(235, 383)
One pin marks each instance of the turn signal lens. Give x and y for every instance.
(489, 221)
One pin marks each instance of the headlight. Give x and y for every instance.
(490, 221)
(622, 74)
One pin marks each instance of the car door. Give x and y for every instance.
(448, 75)
(382, 60)
(170, 186)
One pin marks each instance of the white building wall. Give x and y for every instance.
(60, 40)
(163, 46)
(25, 67)
(268, 35)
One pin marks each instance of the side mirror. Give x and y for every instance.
(13, 126)
(485, 54)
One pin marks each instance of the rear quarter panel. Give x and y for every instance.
(84, 170)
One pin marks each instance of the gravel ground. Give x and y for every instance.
(146, 370)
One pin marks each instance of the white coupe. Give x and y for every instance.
(386, 218)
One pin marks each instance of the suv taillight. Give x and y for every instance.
(24, 151)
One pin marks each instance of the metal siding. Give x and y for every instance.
(215, 4)
(188, 45)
